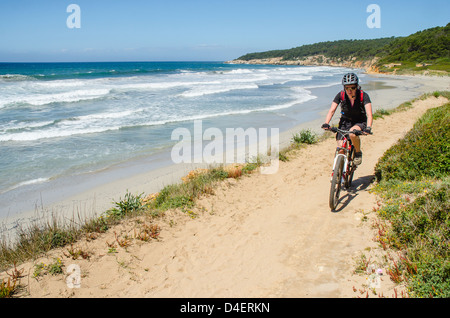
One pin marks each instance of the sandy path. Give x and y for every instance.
(260, 236)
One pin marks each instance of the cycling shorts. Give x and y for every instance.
(346, 124)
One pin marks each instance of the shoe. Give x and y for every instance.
(358, 158)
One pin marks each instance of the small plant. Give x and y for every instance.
(147, 232)
(38, 270)
(191, 214)
(154, 231)
(129, 204)
(194, 174)
(54, 268)
(395, 273)
(7, 289)
(362, 264)
(283, 157)
(306, 136)
(258, 160)
(74, 253)
(15, 273)
(234, 171)
(112, 250)
(97, 225)
(404, 106)
(123, 242)
(219, 174)
(111, 247)
(380, 113)
(249, 167)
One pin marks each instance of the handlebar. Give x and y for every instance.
(346, 132)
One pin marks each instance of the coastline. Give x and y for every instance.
(314, 60)
(92, 194)
(368, 65)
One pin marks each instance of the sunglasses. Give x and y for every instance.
(350, 88)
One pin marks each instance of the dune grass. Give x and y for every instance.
(37, 238)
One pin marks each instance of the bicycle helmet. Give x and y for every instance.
(349, 79)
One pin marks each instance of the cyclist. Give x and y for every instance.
(356, 110)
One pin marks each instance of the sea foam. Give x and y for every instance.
(57, 120)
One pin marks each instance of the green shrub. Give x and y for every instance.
(431, 280)
(424, 226)
(380, 113)
(426, 219)
(306, 136)
(218, 174)
(129, 204)
(417, 213)
(180, 201)
(249, 167)
(423, 152)
(414, 184)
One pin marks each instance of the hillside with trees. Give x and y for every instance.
(425, 50)
(331, 49)
(428, 49)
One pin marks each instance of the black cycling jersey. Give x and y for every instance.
(357, 112)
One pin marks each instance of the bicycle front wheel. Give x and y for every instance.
(350, 170)
(336, 182)
(349, 180)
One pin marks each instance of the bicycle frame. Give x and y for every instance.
(347, 148)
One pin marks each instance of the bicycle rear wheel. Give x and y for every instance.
(336, 182)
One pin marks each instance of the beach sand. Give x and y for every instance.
(264, 235)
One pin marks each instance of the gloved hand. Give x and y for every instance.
(368, 130)
(325, 126)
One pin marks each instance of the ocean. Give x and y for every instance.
(68, 119)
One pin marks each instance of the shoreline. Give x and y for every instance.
(314, 60)
(94, 193)
(321, 60)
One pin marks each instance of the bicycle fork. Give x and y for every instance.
(344, 170)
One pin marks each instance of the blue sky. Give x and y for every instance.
(173, 30)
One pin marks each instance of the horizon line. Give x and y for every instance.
(112, 61)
